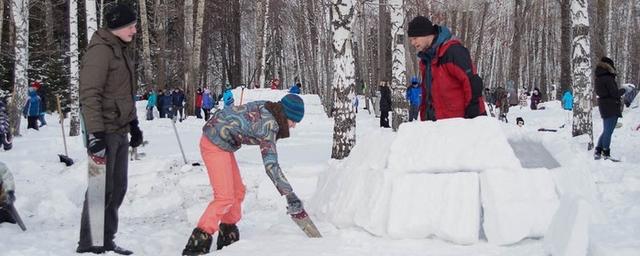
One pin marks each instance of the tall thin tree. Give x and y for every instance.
(399, 66)
(20, 13)
(583, 89)
(74, 69)
(344, 130)
(146, 45)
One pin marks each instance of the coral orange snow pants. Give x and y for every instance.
(228, 190)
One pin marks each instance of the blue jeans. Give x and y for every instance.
(608, 124)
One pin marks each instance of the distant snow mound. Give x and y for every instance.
(453, 179)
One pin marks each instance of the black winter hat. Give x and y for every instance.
(120, 16)
(608, 61)
(421, 26)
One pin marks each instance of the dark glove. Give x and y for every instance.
(96, 144)
(294, 205)
(136, 134)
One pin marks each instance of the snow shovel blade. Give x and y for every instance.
(14, 213)
(304, 222)
(66, 160)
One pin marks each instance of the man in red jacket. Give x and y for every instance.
(450, 85)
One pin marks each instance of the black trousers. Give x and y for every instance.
(384, 119)
(116, 188)
(207, 113)
(198, 111)
(32, 122)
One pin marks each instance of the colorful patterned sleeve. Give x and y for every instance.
(270, 160)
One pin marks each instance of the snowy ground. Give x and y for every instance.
(166, 197)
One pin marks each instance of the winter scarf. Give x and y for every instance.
(277, 111)
(444, 34)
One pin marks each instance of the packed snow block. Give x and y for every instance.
(451, 145)
(568, 234)
(371, 151)
(517, 204)
(341, 193)
(444, 205)
(373, 211)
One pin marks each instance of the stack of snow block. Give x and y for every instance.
(448, 179)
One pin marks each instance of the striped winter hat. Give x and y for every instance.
(293, 107)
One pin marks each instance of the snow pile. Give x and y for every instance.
(435, 179)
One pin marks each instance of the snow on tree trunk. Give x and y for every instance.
(74, 70)
(146, 45)
(399, 72)
(1, 15)
(160, 19)
(20, 10)
(344, 130)
(583, 90)
(92, 18)
(262, 25)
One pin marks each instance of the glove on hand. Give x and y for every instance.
(136, 134)
(294, 205)
(97, 146)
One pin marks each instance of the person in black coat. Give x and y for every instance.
(385, 104)
(609, 104)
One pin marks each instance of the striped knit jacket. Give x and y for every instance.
(249, 124)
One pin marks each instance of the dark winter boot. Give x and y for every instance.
(199, 243)
(597, 154)
(606, 153)
(227, 235)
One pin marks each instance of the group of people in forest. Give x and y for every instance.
(448, 87)
(171, 104)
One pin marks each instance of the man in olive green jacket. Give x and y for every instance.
(107, 91)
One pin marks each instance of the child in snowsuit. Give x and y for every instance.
(227, 97)
(255, 123)
(31, 109)
(535, 98)
(414, 96)
(152, 100)
(207, 103)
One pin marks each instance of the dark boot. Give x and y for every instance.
(91, 249)
(227, 235)
(117, 249)
(597, 154)
(199, 243)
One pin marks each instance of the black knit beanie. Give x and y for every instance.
(421, 26)
(608, 61)
(120, 16)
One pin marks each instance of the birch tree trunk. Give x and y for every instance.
(193, 81)
(20, 13)
(344, 130)
(74, 70)
(1, 23)
(92, 18)
(582, 118)
(160, 20)
(398, 79)
(262, 25)
(146, 46)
